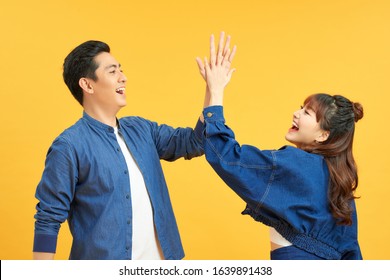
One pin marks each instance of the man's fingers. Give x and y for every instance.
(220, 48)
(200, 63)
(227, 46)
(206, 64)
(212, 50)
(231, 55)
(202, 70)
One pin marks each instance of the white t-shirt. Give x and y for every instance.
(145, 244)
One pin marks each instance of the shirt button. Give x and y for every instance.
(125, 171)
(209, 114)
(117, 149)
(127, 196)
(128, 222)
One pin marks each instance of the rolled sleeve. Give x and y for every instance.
(54, 194)
(198, 130)
(45, 243)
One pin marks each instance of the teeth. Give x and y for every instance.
(120, 90)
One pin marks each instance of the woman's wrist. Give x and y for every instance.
(216, 98)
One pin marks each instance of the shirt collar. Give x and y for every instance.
(99, 124)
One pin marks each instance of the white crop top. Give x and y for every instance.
(277, 238)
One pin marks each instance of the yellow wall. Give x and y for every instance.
(287, 49)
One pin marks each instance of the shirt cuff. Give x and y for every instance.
(213, 114)
(45, 243)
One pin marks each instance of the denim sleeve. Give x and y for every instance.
(173, 143)
(54, 193)
(245, 169)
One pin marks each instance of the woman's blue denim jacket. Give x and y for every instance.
(86, 182)
(286, 189)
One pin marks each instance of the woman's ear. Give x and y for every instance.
(323, 136)
(86, 85)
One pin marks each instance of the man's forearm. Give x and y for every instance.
(43, 256)
(206, 102)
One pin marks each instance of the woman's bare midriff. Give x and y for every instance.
(275, 246)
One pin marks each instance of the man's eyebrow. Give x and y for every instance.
(112, 65)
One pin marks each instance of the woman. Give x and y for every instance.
(305, 194)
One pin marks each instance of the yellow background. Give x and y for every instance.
(287, 49)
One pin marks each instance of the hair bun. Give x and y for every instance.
(358, 111)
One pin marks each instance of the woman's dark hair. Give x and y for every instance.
(337, 115)
(80, 63)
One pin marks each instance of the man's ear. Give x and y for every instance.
(323, 136)
(86, 85)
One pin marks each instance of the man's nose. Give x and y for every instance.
(123, 78)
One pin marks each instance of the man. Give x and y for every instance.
(104, 175)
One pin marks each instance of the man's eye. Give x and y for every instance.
(113, 71)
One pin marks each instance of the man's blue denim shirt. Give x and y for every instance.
(85, 181)
(286, 189)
